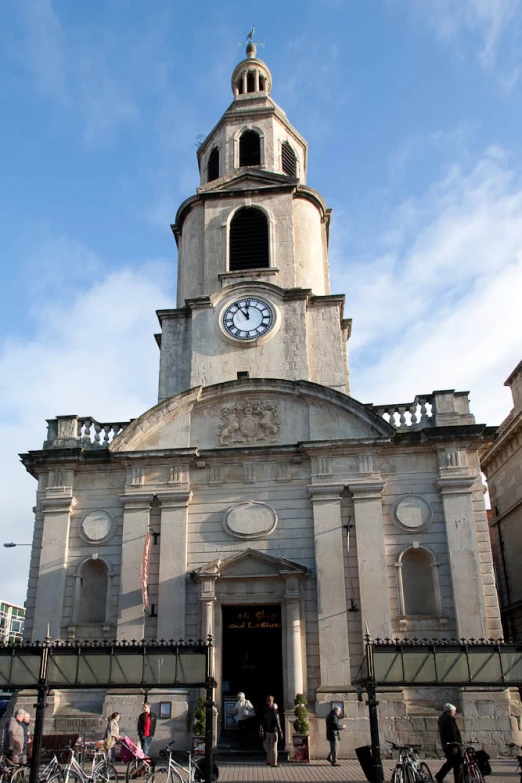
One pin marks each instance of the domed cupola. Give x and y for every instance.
(252, 76)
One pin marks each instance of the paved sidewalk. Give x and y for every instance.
(503, 771)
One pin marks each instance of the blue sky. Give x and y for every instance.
(412, 111)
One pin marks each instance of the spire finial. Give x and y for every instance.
(251, 45)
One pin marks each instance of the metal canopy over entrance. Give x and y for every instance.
(431, 663)
(75, 665)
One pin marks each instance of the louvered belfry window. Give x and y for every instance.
(249, 240)
(288, 160)
(249, 149)
(213, 165)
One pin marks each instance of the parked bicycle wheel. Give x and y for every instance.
(164, 775)
(21, 775)
(105, 772)
(398, 775)
(66, 777)
(473, 774)
(199, 771)
(138, 768)
(425, 772)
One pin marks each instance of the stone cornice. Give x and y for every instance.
(366, 490)
(175, 498)
(455, 484)
(323, 493)
(136, 501)
(502, 449)
(57, 503)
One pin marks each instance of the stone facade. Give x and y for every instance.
(278, 504)
(502, 464)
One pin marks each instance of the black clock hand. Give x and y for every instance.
(245, 313)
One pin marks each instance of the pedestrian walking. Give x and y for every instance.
(28, 740)
(112, 733)
(271, 731)
(333, 729)
(146, 728)
(14, 738)
(449, 733)
(243, 711)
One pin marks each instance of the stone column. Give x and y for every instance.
(371, 558)
(173, 563)
(468, 590)
(136, 516)
(331, 593)
(294, 652)
(57, 506)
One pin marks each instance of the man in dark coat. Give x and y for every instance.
(271, 731)
(449, 733)
(146, 728)
(14, 742)
(333, 729)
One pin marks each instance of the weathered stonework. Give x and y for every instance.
(264, 485)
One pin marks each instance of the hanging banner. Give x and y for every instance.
(145, 568)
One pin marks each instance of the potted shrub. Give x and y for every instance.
(301, 737)
(199, 725)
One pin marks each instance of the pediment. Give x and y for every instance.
(248, 179)
(250, 564)
(262, 412)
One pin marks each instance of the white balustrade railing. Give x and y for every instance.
(418, 414)
(95, 433)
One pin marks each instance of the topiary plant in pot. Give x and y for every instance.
(301, 738)
(199, 726)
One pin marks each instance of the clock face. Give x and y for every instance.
(248, 318)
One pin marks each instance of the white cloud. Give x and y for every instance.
(491, 21)
(92, 353)
(439, 306)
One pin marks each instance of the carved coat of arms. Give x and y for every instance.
(249, 422)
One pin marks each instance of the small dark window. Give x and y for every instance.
(249, 149)
(251, 82)
(262, 83)
(213, 165)
(248, 240)
(289, 160)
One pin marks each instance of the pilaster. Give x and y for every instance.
(468, 590)
(371, 556)
(294, 669)
(173, 563)
(331, 594)
(136, 517)
(57, 506)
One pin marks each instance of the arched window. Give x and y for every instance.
(418, 583)
(251, 82)
(249, 240)
(249, 149)
(91, 594)
(288, 160)
(213, 165)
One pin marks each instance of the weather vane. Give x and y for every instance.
(250, 40)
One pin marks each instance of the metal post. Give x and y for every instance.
(373, 713)
(40, 715)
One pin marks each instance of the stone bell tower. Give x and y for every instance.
(253, 273)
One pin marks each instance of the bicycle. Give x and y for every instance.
(102, 771)
(409, 768)
(469, 766)
(175, 772)
(9, 773)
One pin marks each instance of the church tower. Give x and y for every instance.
(253, 277)
(277, 513)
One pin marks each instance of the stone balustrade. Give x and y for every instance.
(438, 409)
(81, 431)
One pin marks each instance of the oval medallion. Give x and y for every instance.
(250, 519)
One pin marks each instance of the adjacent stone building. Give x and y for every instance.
(285, 515)
(502, 464)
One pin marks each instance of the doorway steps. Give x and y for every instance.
(229, 748)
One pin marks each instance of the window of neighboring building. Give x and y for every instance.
(249, 149)
(418, 583)
(288, 160)
(92, 598)
(249, 240)
(213, 165)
